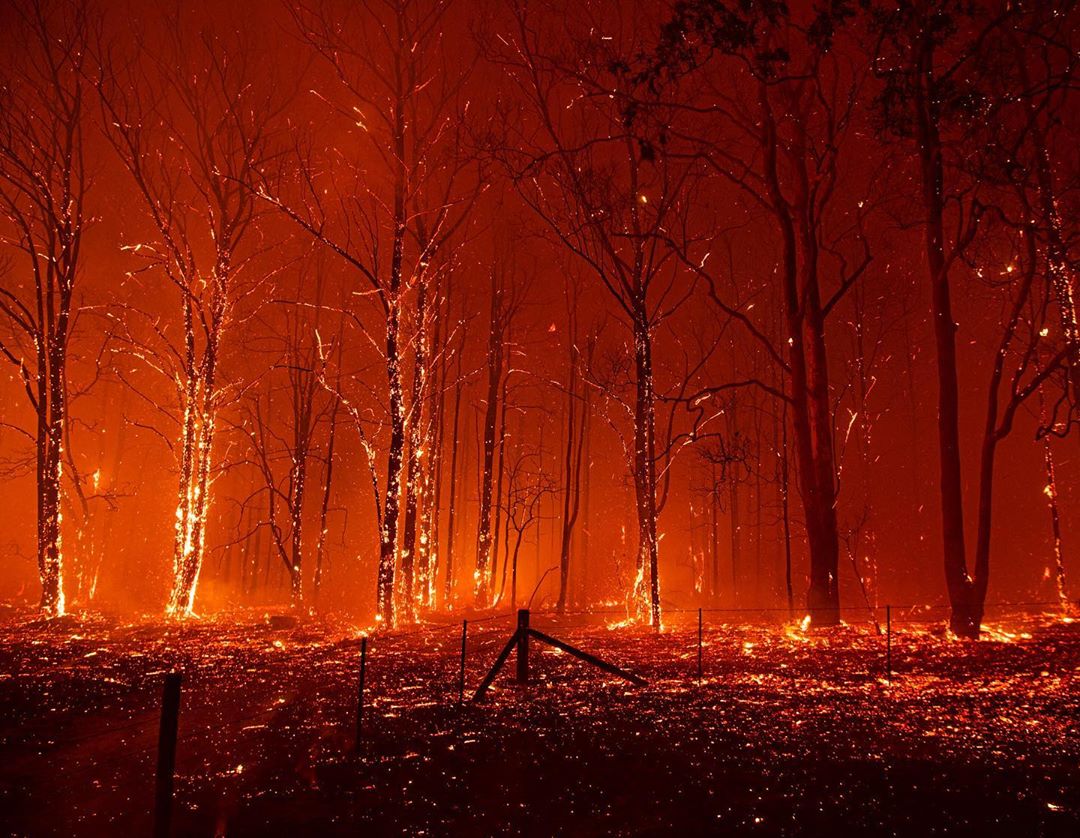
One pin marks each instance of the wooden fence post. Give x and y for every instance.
(523, 646)
(461, 676)
(699, 645)
(360, 694)
(166, 764)
(888, 642)
(520, 640)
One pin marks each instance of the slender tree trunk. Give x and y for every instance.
(646, 589)
(539, 529)
(44, 191)
(432, 496)
(505, 566)
(1051, 492)
(735, 533)
(1055, 522)
(448, 593)
(388, 539)
(485, 536)
(1062, 279)
(714, 540)
(324, 508)
(52, 406)
(757, 516)
(811, 411)
(196, 450)
(966, 613)
(296, 567)
(583, 535)
(984, 521)
(500, 474)
(514, 571)
(413, 476)
(254, 557)
(865, 431)
(824, 596)
(785, 505)
(572, 466)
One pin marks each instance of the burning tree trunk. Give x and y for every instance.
(199, 406)
(1039, 107)
(392, 68)
(43, 188)
(459, 384)
(294, 444)
(388, 527)
(192, 139)
(431, 488)
(417, 435)
(646, 590)
(609, 195)
(324, 507)
(1051, 492)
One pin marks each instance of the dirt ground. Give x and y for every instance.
(788, 732)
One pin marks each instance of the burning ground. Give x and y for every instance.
(787, 732)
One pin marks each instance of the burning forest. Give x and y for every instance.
(504, 417)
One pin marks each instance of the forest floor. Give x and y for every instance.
(788, 732)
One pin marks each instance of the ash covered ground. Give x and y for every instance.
(789, 732)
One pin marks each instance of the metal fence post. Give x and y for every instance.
(166, 764)
(523, 646)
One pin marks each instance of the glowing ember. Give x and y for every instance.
(738, 340)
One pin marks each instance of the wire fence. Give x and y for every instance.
(681, 648)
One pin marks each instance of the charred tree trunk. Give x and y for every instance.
(514, 571)
(413, 476)
(714, 536)
(575, 445)
(966, 610)
(43, 187)
(301, 448)
(197, 439)
(388, 542)
(823, 598)
(735, 535)
(785, 510)
(455, 441)
(485, 536)
(646, 589)
(52, 407)
(324, 508)
(811, 411)
(500, 475)
(1055, 523)
(392, 502)
(431, 496)
(583, 530)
